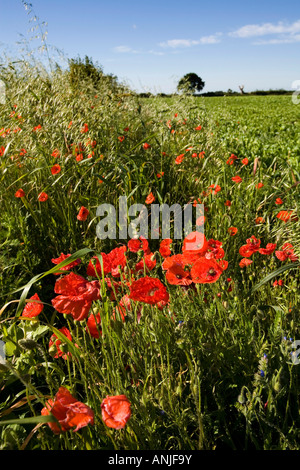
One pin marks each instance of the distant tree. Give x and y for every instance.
(190, 83)
(85, 70)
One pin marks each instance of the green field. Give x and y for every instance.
(210, 367)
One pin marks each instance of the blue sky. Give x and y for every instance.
(151, 45)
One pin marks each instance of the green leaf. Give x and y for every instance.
(274, 274)
(33, 420)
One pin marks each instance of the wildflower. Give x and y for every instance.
(231, 159)
(179, 159)
(116, 411)
(245, 161)
(198, 128)
(146, 146)
(259, 185)
(270, 248)
(93, 325)
(216, 189)
(42, 197)
(150, 198)
(84, 129)
(286, 252)
(83, 213)
(69, 412)
(245, 262)
(205, 271)
(121, 138)
(164, 247)
(55, 153)
(62, 258)
(148, 290)
(252, 246)
(55, 169)
(37, 128)
(76, 295)
(237, 179)
(259, 220)
(232, 231)
(195, 243)
(34, 308)
(20, 193)
(284, 215)
(177, 275)
(159, 175)
(55, 342)
(278, 201)
(227, 203)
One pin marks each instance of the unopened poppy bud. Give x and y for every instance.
(52, 350)
(27, 343)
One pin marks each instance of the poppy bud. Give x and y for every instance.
(27, 343)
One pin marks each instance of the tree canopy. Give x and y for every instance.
(190, 83)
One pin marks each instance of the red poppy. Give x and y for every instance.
(34, 308)
(55, 153)
(83, 213)
(198, 128)
(177, 275)
(84, 129)
(150, 198)
(252, 246)
(116, 411)
(55, 342)
(270, 248)
(76, 295)
(232, 231)
(278, 283)
(55, 169)
(231, 159)
(259, 220)
(216, 188)
(214, 249)
(118, 260)
(121, 138)
(195, 243)
(93, 325)
(237, 179)
(205, 271)
(134, 245)
(148, 290)
(69, 412)
(62, 258)
(94, 266)
(278, 201)
(245, 161)
(179, 159)
(37, 128)
(42, 197)
(164, 247)
(160, 175)
(146, 146)
(259, 185)
(284, 215)
(245, 262)
(20, 193)
(286, 252)
(148, 262)
(227, 203)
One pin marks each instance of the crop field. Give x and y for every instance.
(147, 343)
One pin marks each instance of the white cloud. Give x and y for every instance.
(281, 40)
(252, 30)
(175, 43)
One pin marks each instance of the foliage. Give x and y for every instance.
(190, 83)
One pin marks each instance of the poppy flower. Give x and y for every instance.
(284, 215)
(55, 342)
(55, 169)
(34, 308)
(195, 243)
(117, 260)
(252, 246)
(76, 295)
(231, 159)
(236, 179)
(179, 159)
(84, 129)
(245, 262)
(177, 275)
(83, 213)
(69, 412)
(55, 153)
(148, 262)
(278, 201)
(42, 197)
(270, 248)
(116, 411)
(160, 175)
(245, 161)
(134, 245)
(259, 185)
(62, 258)
(205, 271)
(20, 193)
(227, 203)
(37, 128)
(278, 283)
(214, 249)
(148, 290)
(121, 138)
(232, 231)
(146, 146)
(286, 252)
(93, 325)
(164, 247)
(150, 198)
(216, 188)
(259, 220)
(198, 128)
